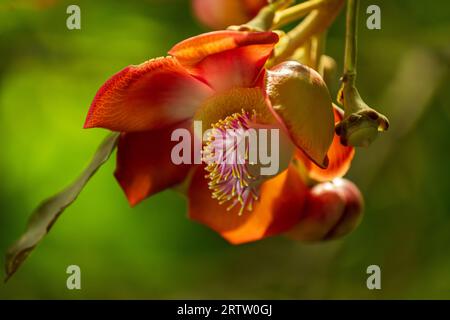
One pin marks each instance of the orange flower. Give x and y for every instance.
(220, 79)
(219, 14)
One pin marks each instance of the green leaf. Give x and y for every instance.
(48, 212)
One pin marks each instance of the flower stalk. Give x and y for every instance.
(296, 12)
(318, 48)
(351, 42)
(264, 19)
(318, 21)
(361, 124)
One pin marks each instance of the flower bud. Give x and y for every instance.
(332, 210)
(219, 14)
(361, 124)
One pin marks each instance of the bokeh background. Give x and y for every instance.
(48, 77)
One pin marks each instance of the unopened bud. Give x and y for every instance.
(219, 14)
(332, 210)
(361, 123)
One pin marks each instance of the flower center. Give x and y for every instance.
(233, 178)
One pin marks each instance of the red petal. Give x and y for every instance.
(340, 158)
(144, 165)
(151, 95)
(226, 59)
(193, 50)
(278, 209)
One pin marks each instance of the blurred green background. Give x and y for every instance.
(48, 77)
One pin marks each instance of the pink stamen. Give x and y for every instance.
(230, 181)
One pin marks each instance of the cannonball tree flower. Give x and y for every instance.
(219, 79)
(219, 14)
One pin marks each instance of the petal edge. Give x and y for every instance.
(340, 157)
(195, 49)
(151, 95)
(279, 208)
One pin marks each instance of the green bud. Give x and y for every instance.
(361, 124)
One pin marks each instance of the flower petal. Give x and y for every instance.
(278, 209)
(301, 101)
(195, 49)
(233, 101)
(226, 59)
(144, 164)
(151, 95)
(340, 157)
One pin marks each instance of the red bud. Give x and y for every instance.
(333, 209)
(220, 14)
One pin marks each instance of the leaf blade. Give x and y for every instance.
(45, 215)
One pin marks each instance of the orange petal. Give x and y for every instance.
(226, 59)
(278, 209)
(151, 95)
(144, 165)
(340, 157)
(193, 50)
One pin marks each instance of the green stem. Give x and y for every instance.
(316, 22)
(361, 123)
(264, 19)
(351, 44)
(318, 48)
(296, 12)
